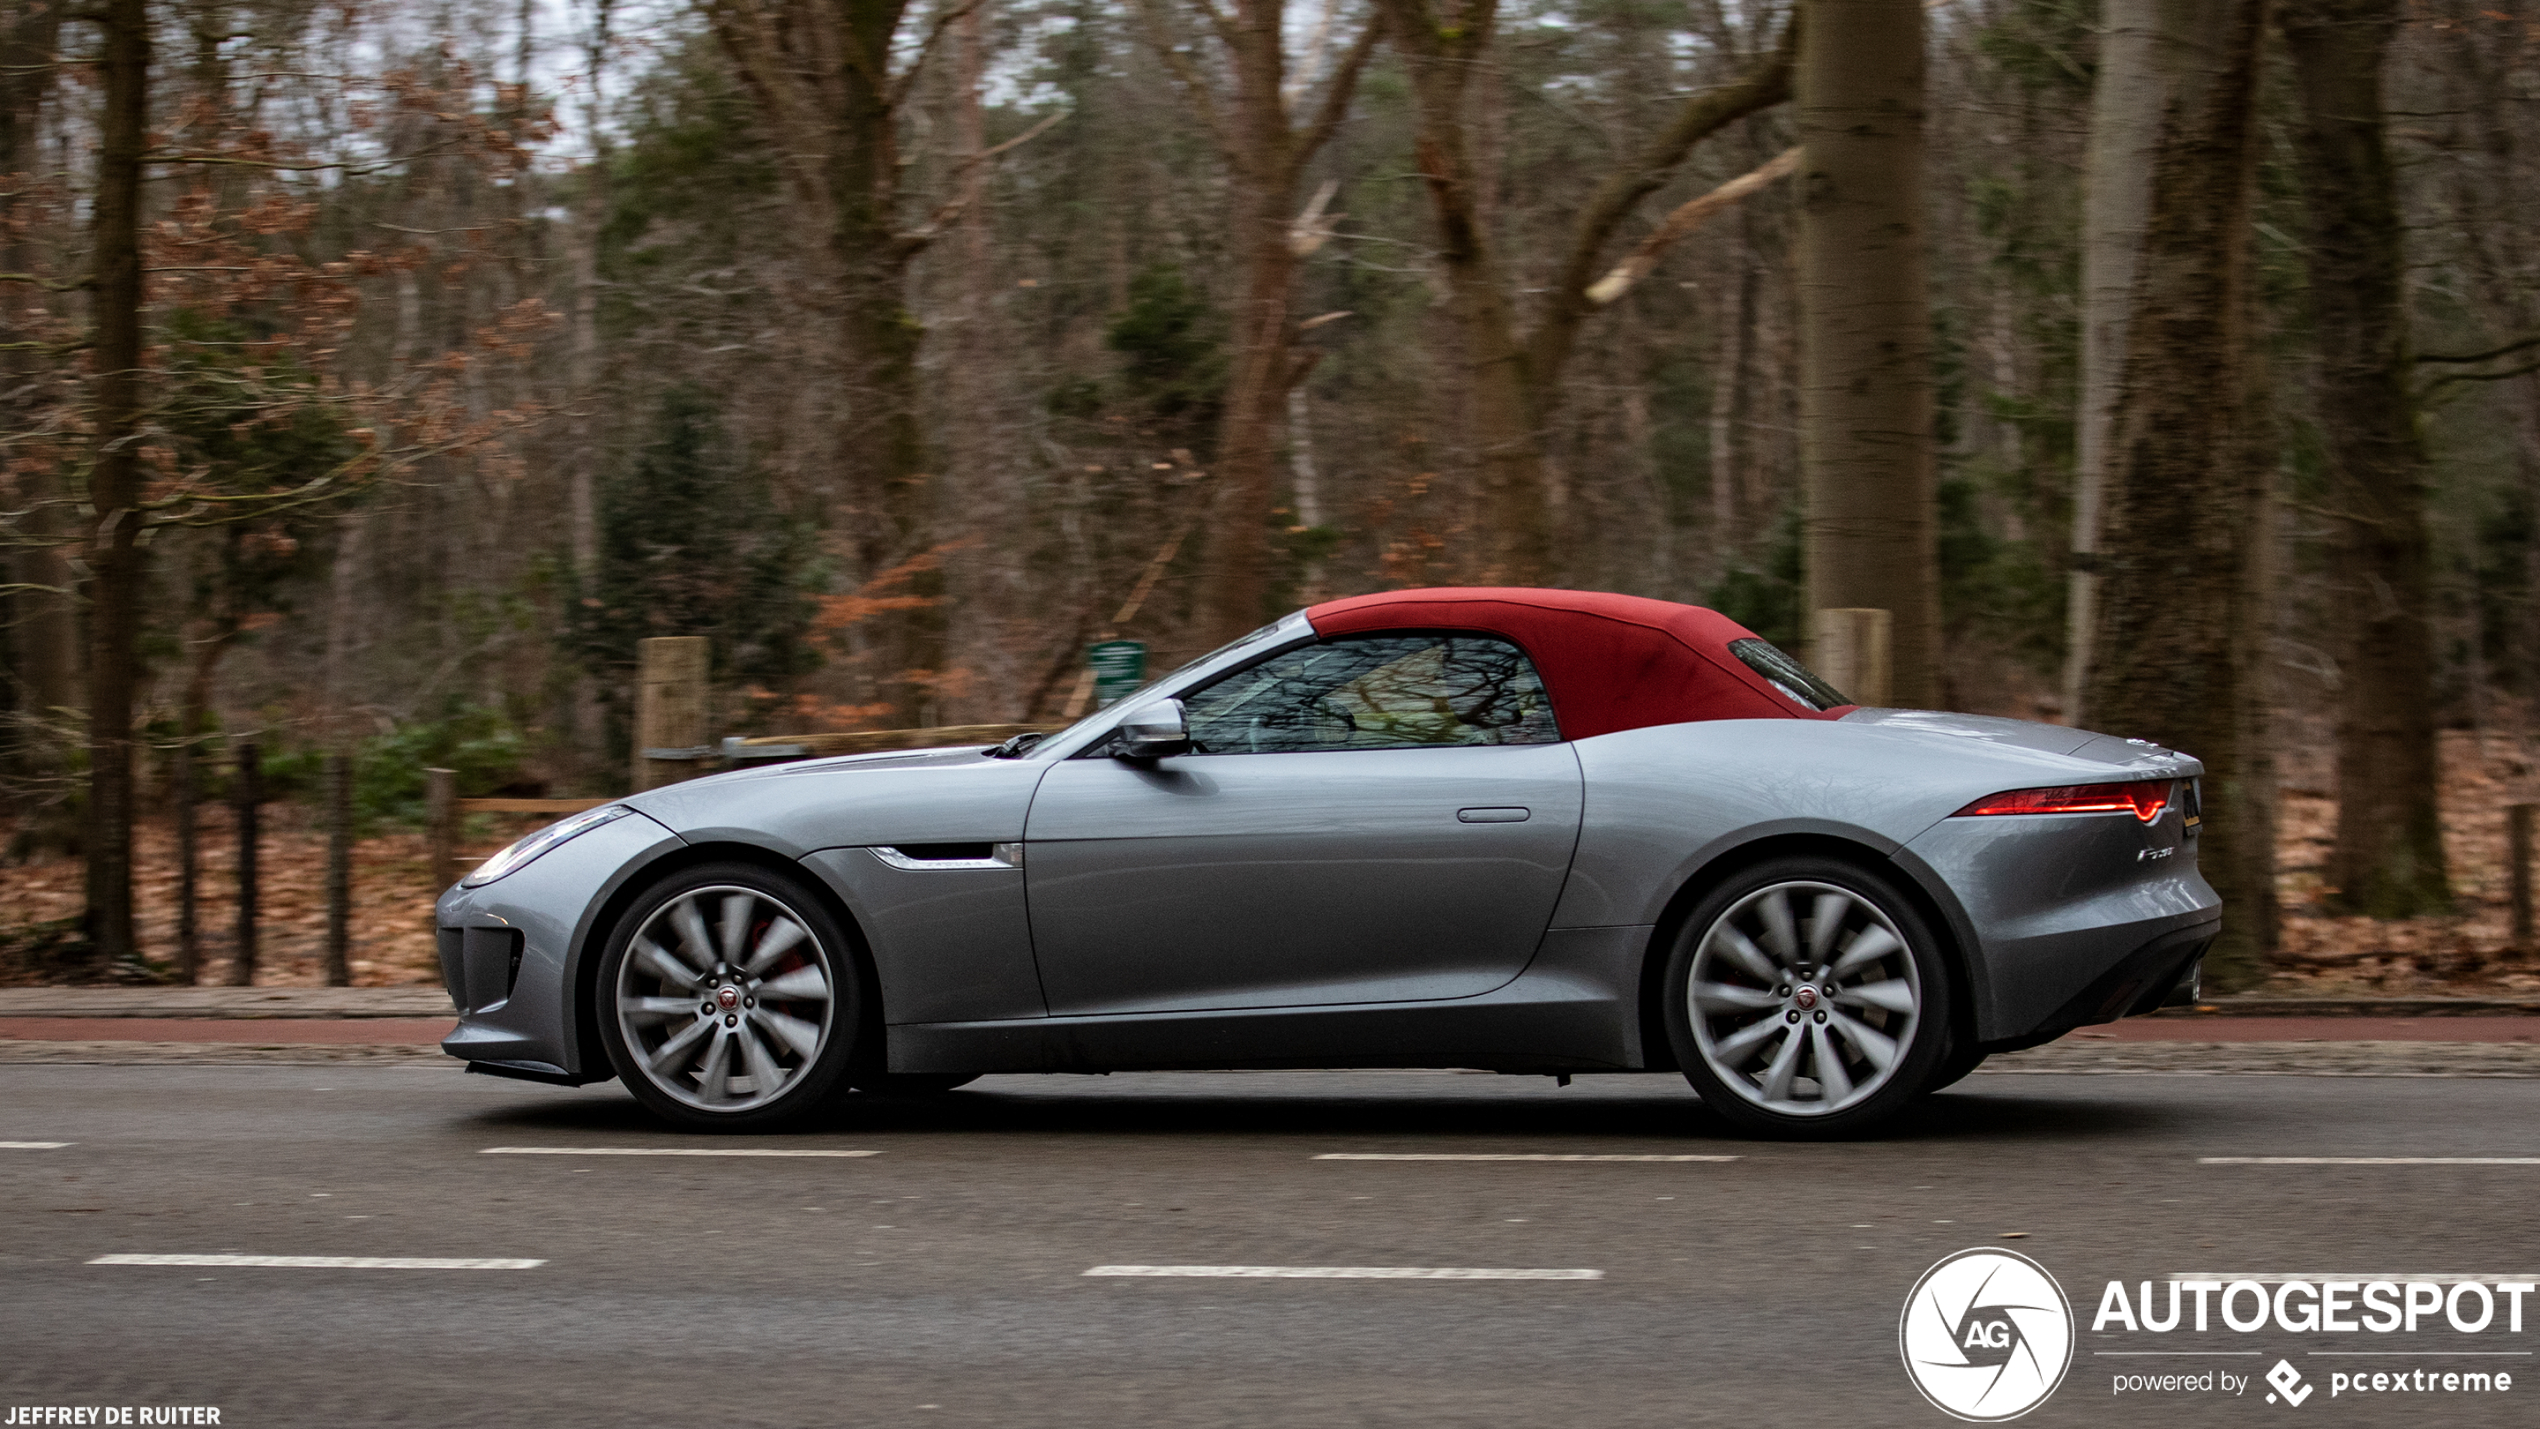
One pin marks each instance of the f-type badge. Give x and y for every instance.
(1986, 1336)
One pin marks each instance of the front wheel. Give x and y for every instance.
(730, 1000)
(1806, 997)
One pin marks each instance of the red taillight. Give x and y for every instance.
(2145, 800)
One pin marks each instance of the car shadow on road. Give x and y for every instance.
(1442, 1112)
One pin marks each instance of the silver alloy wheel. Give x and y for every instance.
(725, 996)
(1803, 998)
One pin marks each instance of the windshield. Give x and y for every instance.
(1116, 706)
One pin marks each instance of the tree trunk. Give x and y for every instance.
(582, 480)
(339, 870)
(1263, 160)
(888, 448)
(1248, 434)
(2172, 661)
(981, 462)
(1502, 398)
(248, 798)
(1265, 155)
(114, 485)
(185, 795)
(1866, 451)
(42, 629)
(2388, 858)
(819, 74)
(2125, 129)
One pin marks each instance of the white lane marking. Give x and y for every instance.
(1340, 1272)
(662, 1151)
(32, 1145)
(1497, 1156)
(2368, 1160)
(330, 1262)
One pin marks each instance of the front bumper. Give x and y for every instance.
(512, 952)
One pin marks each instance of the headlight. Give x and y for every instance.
(526, 849)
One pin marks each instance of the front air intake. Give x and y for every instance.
(479, 965)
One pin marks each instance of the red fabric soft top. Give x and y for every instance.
(1610, 662)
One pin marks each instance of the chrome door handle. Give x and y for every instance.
(1493, 816)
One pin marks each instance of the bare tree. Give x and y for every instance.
(2127, 98)
(1516, 365)
(2388, 859)
(1866, 447)
(44, 633)
(114, 556)
(1266, 150)
(821, 75)
(2176, 658)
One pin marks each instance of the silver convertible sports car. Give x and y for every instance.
(1530, 831)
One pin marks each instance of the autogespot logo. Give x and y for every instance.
(1986, 1335)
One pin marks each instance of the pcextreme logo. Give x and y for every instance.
(1986, 1335)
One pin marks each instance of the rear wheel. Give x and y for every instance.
(730, 1000)
(1806, 997)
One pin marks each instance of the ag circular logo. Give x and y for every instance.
(1986, 1335)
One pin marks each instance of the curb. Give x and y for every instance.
(2357, 1007)
(196, 1003)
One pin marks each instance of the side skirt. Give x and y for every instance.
(1575, 1008)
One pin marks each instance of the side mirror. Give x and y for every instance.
(1154, 732)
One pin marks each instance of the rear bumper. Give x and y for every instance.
(2070, 919)
(2149, 977)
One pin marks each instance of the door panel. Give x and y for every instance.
(1296, 879)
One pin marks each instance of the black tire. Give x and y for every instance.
(756, 991)
(1866, 1015)
(910, 1084)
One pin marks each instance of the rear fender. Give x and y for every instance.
(1920, 882)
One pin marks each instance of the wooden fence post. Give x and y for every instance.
(249, 793)
(339, 870)
(2518, 825)
(670, 709)
(1849, 648)
(441, 820)
(189, 942)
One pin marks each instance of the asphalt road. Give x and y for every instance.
(942, 1280)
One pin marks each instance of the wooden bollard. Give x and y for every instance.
(2518, 830)
(441, 824)
(670, 709)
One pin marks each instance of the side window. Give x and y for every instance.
(1376, 692)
